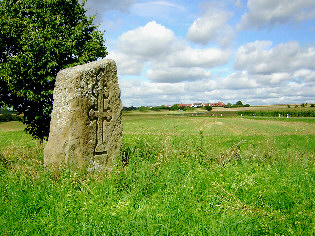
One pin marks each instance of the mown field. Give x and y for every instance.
(177, 175)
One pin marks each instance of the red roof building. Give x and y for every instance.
(218, 104)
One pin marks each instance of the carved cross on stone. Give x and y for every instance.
(103, 113)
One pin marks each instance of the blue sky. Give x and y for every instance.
(257, 51)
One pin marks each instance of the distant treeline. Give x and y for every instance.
(282, 113)
(9, 117)
(7, 111)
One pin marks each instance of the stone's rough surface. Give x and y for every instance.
(86, 127)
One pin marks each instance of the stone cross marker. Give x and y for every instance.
(101, 114)
(86, 127)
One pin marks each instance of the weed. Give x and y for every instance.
(4, 161)
(231, 154)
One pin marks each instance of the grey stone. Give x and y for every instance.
(86, 126)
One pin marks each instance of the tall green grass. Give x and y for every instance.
(177, 175)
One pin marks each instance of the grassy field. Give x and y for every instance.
(178, 175)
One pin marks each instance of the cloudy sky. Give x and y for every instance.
(185, 51)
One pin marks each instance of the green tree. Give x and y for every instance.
(239, 103)
(229, 105)
(208, 108)
(175, 107)
(143, 108)
(38, 38)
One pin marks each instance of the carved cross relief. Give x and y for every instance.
(103, 113)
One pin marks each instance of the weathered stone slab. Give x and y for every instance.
(86, 127)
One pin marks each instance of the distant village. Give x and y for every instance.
(189, 106)
(196, 105)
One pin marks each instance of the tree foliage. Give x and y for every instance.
(208, 108)
(239, 103)
(38, 38)
(175, 107)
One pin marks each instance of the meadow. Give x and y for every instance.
(187, 175)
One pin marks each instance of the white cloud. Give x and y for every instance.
(166, 74)
(200, 87)
(136, 93)
(212, 25)
(135, 48)
(264, 13)
(127, 65)
(184, 63)
(148, 41)
(307, 75)
(206, 58)
(245, 80)
(238, 80)
(141, 88)
(259, 57)
(284, 73)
